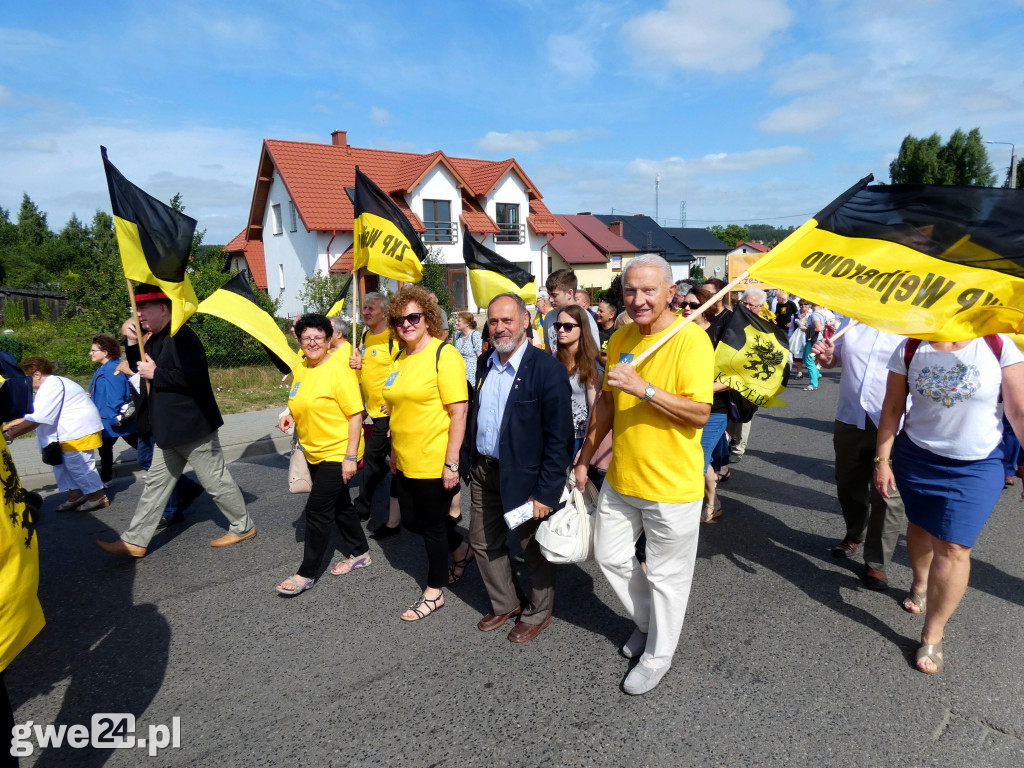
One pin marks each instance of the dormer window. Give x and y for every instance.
(507, 217)
(437, 217)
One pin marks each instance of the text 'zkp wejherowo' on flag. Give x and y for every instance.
(491, 274)
(339, 300)
(236, 303)
(752, 357)
(941, 263)
(383, 239)
(155, 241)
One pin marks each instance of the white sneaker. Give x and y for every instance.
(643, 679)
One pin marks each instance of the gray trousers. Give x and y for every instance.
(207, 460)
(488, 535)
(739, 433)
(870, 518)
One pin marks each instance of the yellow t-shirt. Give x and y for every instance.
(322, 400)
(416, 393)
(652, 457)
(379, 351)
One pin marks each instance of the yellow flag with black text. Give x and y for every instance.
(491, 274)
(752, 358)
(155, 241)
(935, 262)
(383, 239)
(236, 302)
(21, 615)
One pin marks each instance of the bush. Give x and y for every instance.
(12, 344)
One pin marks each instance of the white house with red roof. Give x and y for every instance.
(595, 251)
(301, 218)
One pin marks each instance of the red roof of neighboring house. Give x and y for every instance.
(542, 221)
(754, 246)
(344, 262)
(573, 247)
(474, 217)
(598, 233)
(252, 250)
(316, 177)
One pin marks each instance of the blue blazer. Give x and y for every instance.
(536, 441)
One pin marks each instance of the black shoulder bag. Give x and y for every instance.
(52, 453)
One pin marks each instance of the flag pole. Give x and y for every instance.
(138, 324)
(675, 329)
(355, 311)
(839, 333)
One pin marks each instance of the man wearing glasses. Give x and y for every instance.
(180, 412)
(739, 432)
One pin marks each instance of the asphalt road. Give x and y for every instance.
(785, 660)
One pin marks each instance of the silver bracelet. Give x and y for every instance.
(352, 458)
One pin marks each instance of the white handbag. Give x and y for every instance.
(567, 536)
(299, 480)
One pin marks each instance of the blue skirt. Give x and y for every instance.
(713, 432)
(950, 498)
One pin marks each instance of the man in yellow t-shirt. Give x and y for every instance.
(656, 478)
(373, 363)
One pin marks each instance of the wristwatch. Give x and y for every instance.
(453, 467)
(648, 393)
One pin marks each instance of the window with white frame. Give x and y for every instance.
(616, 263)
(275, 218)
(293, 217)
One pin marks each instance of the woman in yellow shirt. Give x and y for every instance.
(426, 397)
(326, 408)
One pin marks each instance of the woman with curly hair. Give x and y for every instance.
(426, 397)
(578, 353)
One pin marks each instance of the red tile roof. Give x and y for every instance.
(252, 250)
(598, 233)
(316, 176)
(474, 217)
(755, 246)
(344, 262)
(542, 221)
(573, 247)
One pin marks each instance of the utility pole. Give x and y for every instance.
(682, 214)
(1013, 160)
(657, 183)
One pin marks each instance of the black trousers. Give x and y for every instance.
(376, 459)
(424, 505)
(107, 453)
(6, 725)
(329, 502)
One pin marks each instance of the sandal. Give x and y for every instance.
(809, 389)
(298, 583)
(352, 563)
(709, 512)
(932, 653)
(460, 566)
(724, 475)
(915, 602)
(418, 606)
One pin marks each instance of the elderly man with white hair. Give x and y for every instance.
(739, 432)
(655, 483)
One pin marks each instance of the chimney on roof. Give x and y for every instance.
(584, 213)
(616, 228)
(339, 138)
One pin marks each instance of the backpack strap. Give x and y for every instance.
(909, 350)
(995, 343)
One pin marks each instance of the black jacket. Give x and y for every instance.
(179, 406)
(536, 442)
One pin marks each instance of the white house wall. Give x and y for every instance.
(291, 255)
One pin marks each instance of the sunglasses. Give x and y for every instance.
(413, 319)
(694, 305)
(565, 326)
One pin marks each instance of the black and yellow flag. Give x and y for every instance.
(236, 303)
(383, 239)
(339, 300)
(21, 616)
(154, 240)
(752, 358)
(941, 263)
(491, 274)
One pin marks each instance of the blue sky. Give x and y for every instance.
(749, 110)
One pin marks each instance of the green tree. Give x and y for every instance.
(697, 274)
(98, 291)
(320, 290)
(962, 160)
(435, 278)
(730, 235)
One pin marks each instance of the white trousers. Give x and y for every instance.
(78, 472)
(656, 600)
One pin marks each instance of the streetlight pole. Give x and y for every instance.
(1013, 161)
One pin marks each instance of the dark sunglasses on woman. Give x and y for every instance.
(413, 319)
(565, 326)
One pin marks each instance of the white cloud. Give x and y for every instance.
(719, 36)
(807, 73)
(805, 114)
(571, 56)
(719, 162)
(379, 116)
(525, 141)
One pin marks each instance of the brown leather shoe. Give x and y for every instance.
(524, 633)
(493, 621)
(845, 548)
(121, 547)
(876, 580)
(228, 539)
